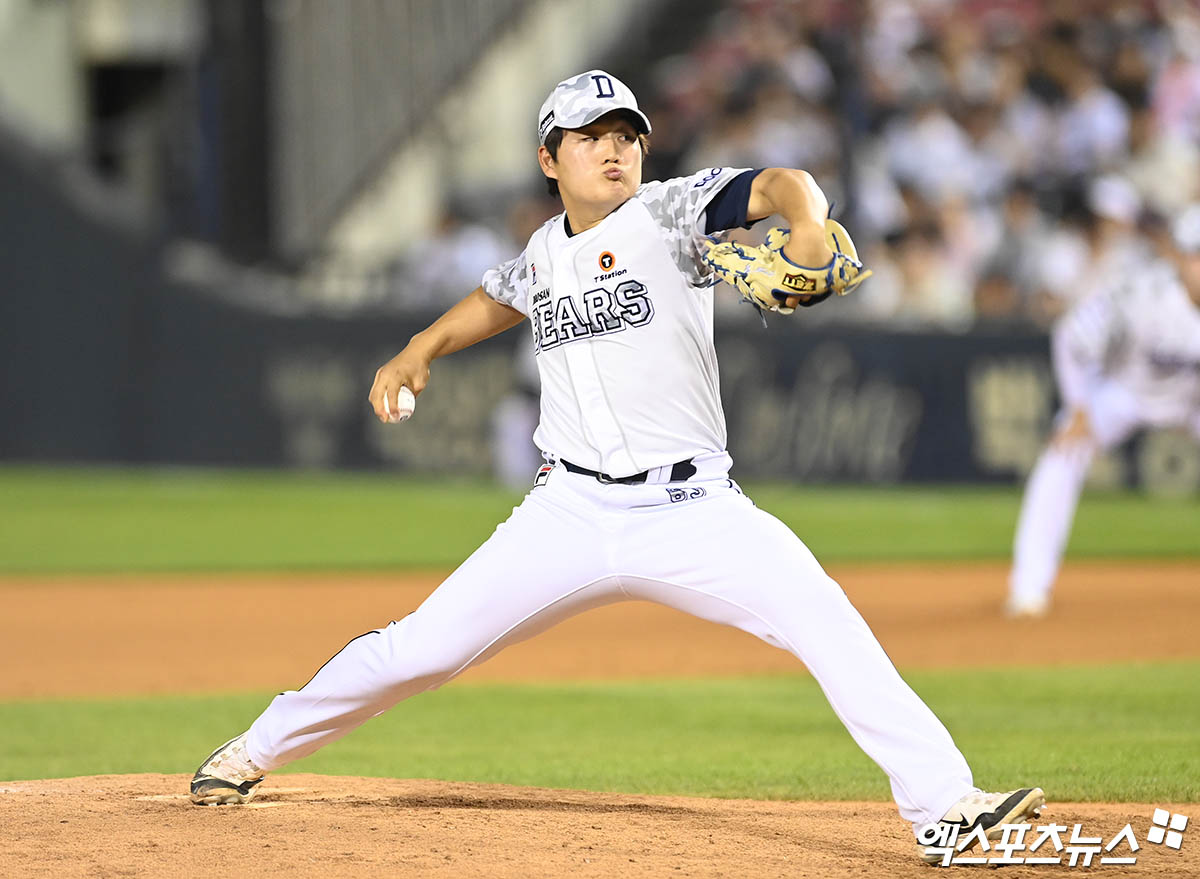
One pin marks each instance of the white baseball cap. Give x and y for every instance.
(583, 99)
(1186, 230)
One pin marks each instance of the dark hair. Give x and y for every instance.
(554, 141)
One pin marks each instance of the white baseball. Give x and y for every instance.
(405, 404)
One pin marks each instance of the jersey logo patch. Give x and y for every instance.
(607, 261)
(685, 494)
(543, 474)
(800, 283)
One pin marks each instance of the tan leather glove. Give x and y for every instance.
(767, 278)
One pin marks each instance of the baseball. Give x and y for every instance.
(405, 404)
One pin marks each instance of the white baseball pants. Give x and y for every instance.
(700, 546)
(1054, 486)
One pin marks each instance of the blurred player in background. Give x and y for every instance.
(1125, 358)
(515, 418)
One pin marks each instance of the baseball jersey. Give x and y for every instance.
(622, 323)
(1143, 334)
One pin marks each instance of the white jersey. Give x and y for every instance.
(1143, 335)
(622, 320)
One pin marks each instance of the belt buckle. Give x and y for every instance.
(605, 479)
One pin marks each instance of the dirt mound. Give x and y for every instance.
(329, 827)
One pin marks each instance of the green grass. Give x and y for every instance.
(84, 519)
(965, 522)
(1123, 733)
(163, 520)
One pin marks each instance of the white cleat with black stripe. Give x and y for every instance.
(991, 811)
(228, 776)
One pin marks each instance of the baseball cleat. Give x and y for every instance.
(992, 811)
(1027, 608)
(227, 776)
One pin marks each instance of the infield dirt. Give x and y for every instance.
(930, 616)
(307, 825)
(141, 825)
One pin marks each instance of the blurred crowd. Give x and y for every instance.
(995, 159)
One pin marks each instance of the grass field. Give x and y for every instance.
(1097, 733)
(58, 520)
(1125, 733)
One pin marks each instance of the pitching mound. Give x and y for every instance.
(328, 827)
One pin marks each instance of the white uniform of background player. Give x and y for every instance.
(635, 501)
(1125, 358)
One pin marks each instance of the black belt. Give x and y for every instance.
(681, 471)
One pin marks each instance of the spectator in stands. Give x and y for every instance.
(1018, 254)
(1081, 259)
(1163, 165)
(453, 257)
(1093, 126)
(1177, 90)
(933, 291)
(956, 116)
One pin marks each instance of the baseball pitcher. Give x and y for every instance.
(635, 500)
(1125, 358)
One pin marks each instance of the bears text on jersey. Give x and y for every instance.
(602, 311)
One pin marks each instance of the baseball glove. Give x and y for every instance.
(766, 278)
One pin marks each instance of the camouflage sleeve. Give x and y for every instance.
(507, 283)
(678, 206)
